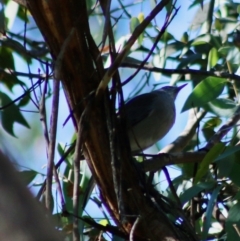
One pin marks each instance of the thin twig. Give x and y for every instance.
(133, 229)
(42, 112)
(5, 72)
(224, 129)
(156, 162)
(53, 124)
(76, 168)
(139, 29)
(168, 20)
(187, 134)
(21, 96)
(171, 186)
(52, 142)
(151, 68)
(61, 160)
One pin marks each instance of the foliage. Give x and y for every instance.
(205, 54)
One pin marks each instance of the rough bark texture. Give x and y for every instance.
(56, 19)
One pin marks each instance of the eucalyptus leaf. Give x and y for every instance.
(209, 211)
(222, 107)
(10, 114)
(212, 58)
(27, 176)
(206, 91)
(194, 190)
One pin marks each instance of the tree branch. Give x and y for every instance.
(151, 68)
(156, 162)
(187, 134)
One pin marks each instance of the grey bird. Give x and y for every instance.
(150, 116)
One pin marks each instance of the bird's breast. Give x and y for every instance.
(155, 126)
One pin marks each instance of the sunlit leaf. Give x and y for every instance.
(134, 22)
(141, 17)
(212, 58)
(104, 222)
(207, 90)
(208, 127)
(202, 40)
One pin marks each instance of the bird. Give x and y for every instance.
(150, 116)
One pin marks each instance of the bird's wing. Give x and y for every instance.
(139, 108)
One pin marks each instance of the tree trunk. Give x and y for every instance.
(65, 27)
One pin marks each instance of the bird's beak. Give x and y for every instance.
(181, 87)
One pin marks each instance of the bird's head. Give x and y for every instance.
(173, 90)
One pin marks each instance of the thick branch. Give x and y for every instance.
(187, 134)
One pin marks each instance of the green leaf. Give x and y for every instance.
(6, 58)
(196, 2)
(141, 17)
(212, 58)
(234, 214)
(208, 159)
(208, 216)
(222, 107)
(134, 22)
(25, 100)
(194, 190)
(202, 40)
(233, 55)
(2, 21)
(234, 174)
(232, 221)
(230, 150)
(185, 37)
(167, 37)
(208, 127)
(224, 50)
(212, 123)
(103, 222)
(237, 196)
(218, 24)
(183, 62)
(87, 184)
(9, 80)
(10, 114)
(28, 176)
(169, 6)
(225, 166)
(22, 15)
(67, 187)
(207, 90)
